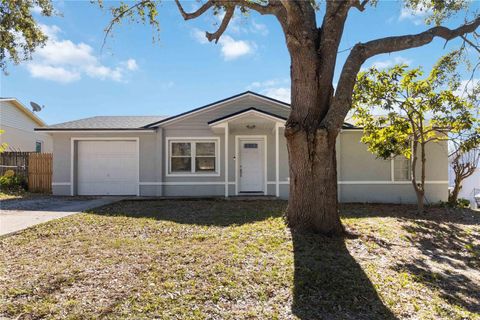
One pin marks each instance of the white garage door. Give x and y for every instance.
(107, 168)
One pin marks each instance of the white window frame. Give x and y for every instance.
(393, 170)
(192, 141)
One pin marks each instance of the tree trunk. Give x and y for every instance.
(313, 204)
(456, 190)
(420, 200)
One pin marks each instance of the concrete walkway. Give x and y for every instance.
(22, 214)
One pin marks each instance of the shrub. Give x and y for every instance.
(12, 182)
(460, 203)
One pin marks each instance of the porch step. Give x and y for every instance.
(251, 197)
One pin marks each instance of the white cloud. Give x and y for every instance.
(282, 94)
(50, 31)
(199, 36)
(467, 87)
(233, 49)
(132, 64)
(417, 15)
(230, 48)
(259, 28)
(36, 9)
(65, 61)
(383, 64)
(275, 88)
(58, 74)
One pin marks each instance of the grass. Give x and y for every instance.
(237, 260)
(12, 195)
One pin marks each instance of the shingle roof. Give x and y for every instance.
(107, 122)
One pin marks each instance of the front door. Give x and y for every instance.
(251, 166)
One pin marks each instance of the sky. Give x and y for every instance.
(74, 77)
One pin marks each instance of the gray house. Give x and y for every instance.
(231, 147)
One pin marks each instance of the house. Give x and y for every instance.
(18, 123)
(234, 146)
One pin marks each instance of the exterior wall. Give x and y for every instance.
(196, 125)
(19, 133)
(62, 159)
(468, 188)
(363, 178)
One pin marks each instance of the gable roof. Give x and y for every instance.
(105, 123)
(245, 111)
(25, 110)
(213, 104)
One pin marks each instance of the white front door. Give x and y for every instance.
(251, 165)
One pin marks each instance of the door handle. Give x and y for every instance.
(241, 171)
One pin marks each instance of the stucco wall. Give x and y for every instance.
(62, 157)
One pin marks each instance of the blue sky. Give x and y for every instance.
(74, 78)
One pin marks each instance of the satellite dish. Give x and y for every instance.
(36, 107)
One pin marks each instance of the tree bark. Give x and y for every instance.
(313, 205)
(455, 192)
(418, 187)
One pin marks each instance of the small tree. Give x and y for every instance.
(465, 159)
(413, 112)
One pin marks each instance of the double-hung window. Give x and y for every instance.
(193, 157)
(401, 168)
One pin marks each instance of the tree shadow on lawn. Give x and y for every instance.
(405, 211)
(455, 260)
(330, 284)
(210, 212)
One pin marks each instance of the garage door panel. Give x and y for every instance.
(107, 168)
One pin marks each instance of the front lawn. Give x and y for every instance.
(237, 260)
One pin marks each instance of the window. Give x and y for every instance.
(193, 157)
(38, 146)
(401, 168)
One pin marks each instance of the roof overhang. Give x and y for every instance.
(25, 110)
(217, 103)
(96, 130)
(250, 118)
(246, 113)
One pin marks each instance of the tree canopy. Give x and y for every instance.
(401, 111)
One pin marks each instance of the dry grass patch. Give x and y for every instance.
(237, 260)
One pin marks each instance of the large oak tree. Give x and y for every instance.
(318, 110)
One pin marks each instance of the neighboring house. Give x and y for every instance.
(470, 187)
(231, 147)
(18, 123)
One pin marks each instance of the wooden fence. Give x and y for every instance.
(35, 168)
(16, 161)
(40, 172)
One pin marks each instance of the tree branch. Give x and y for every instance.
(360, 5)
(362, 51)
(223, 26)
(196, 14)
(473, 45)
(271, 8)
(117, 19)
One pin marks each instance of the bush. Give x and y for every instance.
(460, 203)
(12, 182)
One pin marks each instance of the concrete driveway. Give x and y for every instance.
(19, 214)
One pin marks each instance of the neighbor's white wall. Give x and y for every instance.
(19, 130)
